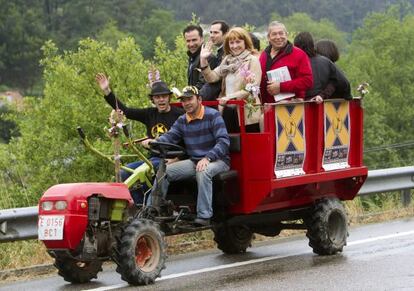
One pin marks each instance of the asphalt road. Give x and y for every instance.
(378, 257)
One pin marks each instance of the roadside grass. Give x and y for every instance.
(16, 255)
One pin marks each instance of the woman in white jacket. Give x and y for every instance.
(238, 69)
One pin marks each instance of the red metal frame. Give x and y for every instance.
(262, 191)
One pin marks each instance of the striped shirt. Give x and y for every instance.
(206, 137)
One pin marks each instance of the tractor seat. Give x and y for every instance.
(226, 190)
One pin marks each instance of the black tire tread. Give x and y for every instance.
(125, 259)
(71, 272)
(317, 226)
(233, 239)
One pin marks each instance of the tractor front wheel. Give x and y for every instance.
(141, 252)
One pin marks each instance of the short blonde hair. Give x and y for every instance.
(238, 33)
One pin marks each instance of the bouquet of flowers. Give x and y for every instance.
(251, 87)
(116, 119)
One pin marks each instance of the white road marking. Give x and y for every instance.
(254, 261)
(384, 237)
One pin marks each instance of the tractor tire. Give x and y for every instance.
(75, 271)
(233, 239)
(327, 227)
(141, 252)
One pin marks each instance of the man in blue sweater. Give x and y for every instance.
(207, 142)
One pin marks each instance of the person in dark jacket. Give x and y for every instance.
(256, 44)
(327, 48)
(157, 120)
(218, 30)
(193, 35)
(328, 81)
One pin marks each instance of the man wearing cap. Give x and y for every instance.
(207, 142)
(157, 120)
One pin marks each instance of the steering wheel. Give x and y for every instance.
(166, 150)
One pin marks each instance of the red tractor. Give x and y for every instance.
(292, 175)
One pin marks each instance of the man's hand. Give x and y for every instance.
(273, 87)
(318, 99)
(222, 101)
(103, 83)
(202, 165)
(206, 51)
(145, 143)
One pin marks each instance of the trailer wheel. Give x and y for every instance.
(75, 271)
(327, 227)
(141, 252)
(233, 239)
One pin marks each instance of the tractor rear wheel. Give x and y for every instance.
(327, 227)
(141, 252)
(233, 239)
(75, 271)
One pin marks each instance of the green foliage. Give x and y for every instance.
(110, 34)
(381, 54)
(322, 29)
(172, 64)
(347, 15)
(194, 19)
(49, 151)
(248, 27)
(160, 23)
(22, 34)
(24, 29)
(7, 126)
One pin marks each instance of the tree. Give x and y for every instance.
(324, 28)
(381, 54)
(7, 127)
(49, 151)
(160, 23)
(22, 33)
(110, 34)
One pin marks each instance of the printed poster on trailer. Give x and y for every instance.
(290, 143)
(337, 135)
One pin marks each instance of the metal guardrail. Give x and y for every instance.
(18, 224)
(21, 223)
(386, 180)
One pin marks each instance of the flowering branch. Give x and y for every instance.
(116, 119)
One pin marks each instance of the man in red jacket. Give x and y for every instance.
(281, 53)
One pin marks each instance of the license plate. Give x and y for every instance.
(50, 227)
